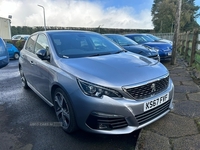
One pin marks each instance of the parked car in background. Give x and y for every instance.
(93, 83)
(13, 51)
(157, 39)
(20, 37)
(134, 47)
(4, 56)
(164, 49)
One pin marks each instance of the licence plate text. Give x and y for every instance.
(170, 53)
(154, 103)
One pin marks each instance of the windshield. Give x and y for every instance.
(82, 44)
(154, 37)
(122, 40)
(141, 39)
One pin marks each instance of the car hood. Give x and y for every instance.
(160, 45)
(166, 41)
(140, 49)
(114, 70)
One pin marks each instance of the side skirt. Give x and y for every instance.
(40, 95)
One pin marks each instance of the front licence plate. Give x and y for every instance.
(156, 102)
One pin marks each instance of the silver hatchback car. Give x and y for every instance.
(94, 84)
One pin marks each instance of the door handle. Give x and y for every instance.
(23, 56)
(31, 62)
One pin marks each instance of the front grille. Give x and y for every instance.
(103, 122)
(149, 89)
(153, 113)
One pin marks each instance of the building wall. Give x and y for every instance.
(5, 30)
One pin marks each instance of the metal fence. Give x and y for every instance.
(168, 36)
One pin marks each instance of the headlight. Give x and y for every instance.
(96, 90)
(155, 49)
(151, 48)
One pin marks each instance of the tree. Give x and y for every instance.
(164, 12)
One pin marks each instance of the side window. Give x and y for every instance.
(138, 39)
(121, 41)
(42, 43)
(111, 38)
(31, 43)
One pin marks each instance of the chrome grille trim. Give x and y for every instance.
(148, 89)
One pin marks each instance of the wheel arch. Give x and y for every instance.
(19, 66)
(54, 87)
(17, 53)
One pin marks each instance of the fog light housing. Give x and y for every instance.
(102, 126)
(102, 121)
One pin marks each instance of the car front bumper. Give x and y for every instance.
(117, 116)
(165, 54)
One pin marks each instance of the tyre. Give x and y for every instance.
(16, 56)
(64, 111)
(23, 79)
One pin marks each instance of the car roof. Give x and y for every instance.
(64, 31)
(57, 31)
(112, 34)
(135, 34)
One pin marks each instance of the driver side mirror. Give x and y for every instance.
(42, 54)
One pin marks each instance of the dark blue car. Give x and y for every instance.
(164, 49)
(4, 57)
(13, 51)
(132, 46)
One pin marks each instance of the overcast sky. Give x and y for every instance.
(134, 14)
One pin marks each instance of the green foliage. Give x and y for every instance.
(19, 44)
(25, 30)
(31, 30)
(164, 13)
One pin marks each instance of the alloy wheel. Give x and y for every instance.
(62, 110)
(16, 56)
(23, 79)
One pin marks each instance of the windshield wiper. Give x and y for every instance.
(127, 44)
(64, 56)
(99, 54)
(120, 51)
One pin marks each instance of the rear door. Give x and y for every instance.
(28, 60)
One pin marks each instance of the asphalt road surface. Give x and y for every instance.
(28, 123)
